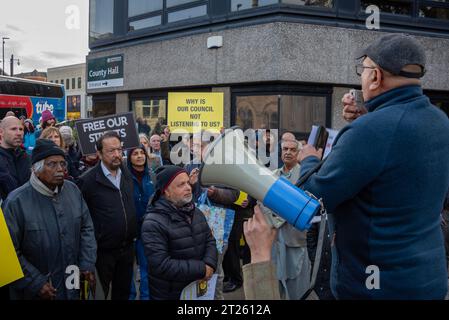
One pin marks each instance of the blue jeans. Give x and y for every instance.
(143, 267)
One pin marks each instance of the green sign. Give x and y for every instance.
(105, 72)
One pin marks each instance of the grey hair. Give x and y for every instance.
(38, 167)
(294, 141)
(143, 135)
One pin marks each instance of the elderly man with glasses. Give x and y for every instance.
(385, 180)
(51, 229)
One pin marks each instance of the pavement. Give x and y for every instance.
(235, 295)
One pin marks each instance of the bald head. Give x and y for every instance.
(288, 136)
(11, 132)
(155, 142)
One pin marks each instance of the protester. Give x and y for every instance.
(87, 162)
(290, 254)
(53, 134)
(14, 162)
(29, 138)
(51, 229)
(48, 120)
(143, 190)
(155, 149)
(142, 126)
(382, 195)
(108, 191)
(259, 277)
(222, 197)
(178, 242)
(73, 154)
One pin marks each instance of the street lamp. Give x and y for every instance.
(11, 73)
(3, 56)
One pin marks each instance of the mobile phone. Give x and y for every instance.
(358, 97)
(321, 138)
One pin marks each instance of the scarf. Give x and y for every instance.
(40, 187)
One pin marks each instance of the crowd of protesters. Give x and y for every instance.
(129, 220)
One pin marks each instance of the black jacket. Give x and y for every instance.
(15, 170)
(177, 250)
(112, 210)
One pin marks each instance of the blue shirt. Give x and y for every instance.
(114, 180)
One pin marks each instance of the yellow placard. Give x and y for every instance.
(193, 112)
(242, 197)
(10, 269)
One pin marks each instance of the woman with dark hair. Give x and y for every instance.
(143, 190)
(29, 136)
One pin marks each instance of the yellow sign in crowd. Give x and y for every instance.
(193, 112)
(10, 269)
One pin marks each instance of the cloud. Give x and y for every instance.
(59, 55)
(14, 28)
(28, 64)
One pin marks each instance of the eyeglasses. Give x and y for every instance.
(360, 67)
(54, 164)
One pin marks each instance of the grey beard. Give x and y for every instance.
(183, 201)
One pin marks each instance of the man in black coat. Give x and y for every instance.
(15, 164)
(178, 242)
(108, 191)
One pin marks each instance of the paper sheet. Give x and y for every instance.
(191, 291)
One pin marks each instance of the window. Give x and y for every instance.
(103, 105)
(299, 113)
(101, 19)
(56, 81)
(438, 9)
(237, 5)
(173, 3)
(79, 82)
(315, 3)
(73, 83)
(145, 23)
(51, 81)
(187, 13)
(402, 7)
(67, 84)
(290, 110)
(138, 7)
(62, 81)
(150, 109)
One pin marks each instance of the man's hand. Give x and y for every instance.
(47, 292)
(259, 236)
(90, 277)
(209, 273)
(350, 110)
(211, 191)
(308, 151)
(193, 177)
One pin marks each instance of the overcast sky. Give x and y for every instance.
(42, 34)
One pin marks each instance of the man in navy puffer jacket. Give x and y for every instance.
(385, 180)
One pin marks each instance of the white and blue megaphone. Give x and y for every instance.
(228, 162)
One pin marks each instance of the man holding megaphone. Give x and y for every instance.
(383, 184)
(385, 180)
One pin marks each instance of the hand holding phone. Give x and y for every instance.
(358, 98)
